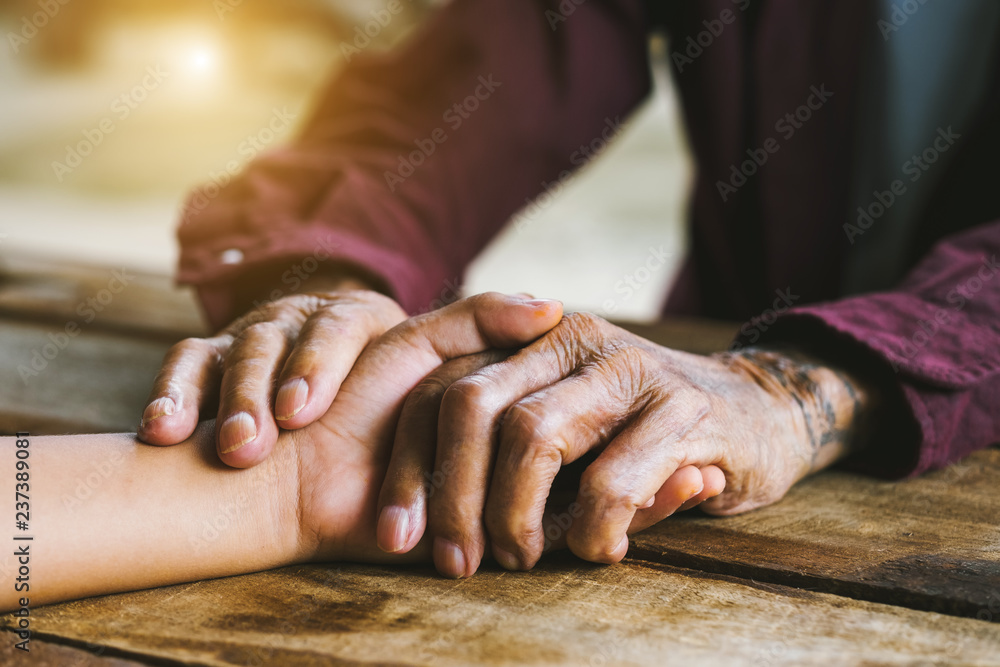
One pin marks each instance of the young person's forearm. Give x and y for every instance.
(108, 514)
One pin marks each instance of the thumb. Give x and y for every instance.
(414, 348)
(481, 322)
(391, 366)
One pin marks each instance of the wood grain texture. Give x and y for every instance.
(145, 305)
(930, 543)
(824, 577)
(97, 383)
(46, 654)
(563, 613)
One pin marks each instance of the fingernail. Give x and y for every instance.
(507, 560)
(541, 302)
(623, 545)
(161, 407)
(237, 431)
(696, 491)
(648, 503)
(449, 558)
(393, 528)
(291, 399)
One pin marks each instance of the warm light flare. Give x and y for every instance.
(203, 60)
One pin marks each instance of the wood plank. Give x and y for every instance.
(563, 613)
(930, 543)
(927, 544)
(46, 654)
(102, 298)
(97, 383)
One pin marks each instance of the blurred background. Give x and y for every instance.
(187, 84)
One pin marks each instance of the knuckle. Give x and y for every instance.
(469, 395)
(530, 434)
(608, 491)
(583, 324)
(624, 366)
(192, 347)
(428, 393)
(262, 332)
(407, 333)
(521, 532)
(589, 549)
(577, 336)
(290, 309)
(324, 326)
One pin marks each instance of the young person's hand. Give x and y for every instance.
(118, 515)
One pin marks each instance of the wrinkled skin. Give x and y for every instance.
(478, 432)
(670, 430)
(342, 457)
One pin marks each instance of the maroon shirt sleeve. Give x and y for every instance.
(937, 338)
(415, 158)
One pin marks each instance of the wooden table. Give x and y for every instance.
(845, 570)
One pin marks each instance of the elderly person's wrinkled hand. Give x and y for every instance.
(479, 444)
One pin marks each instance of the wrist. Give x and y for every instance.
(835, 405)
(281, 514)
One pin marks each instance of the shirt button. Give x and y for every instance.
(231, 256)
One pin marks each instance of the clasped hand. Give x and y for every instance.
(496, 423)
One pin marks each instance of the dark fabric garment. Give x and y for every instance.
(550, 83)
(558, 88)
